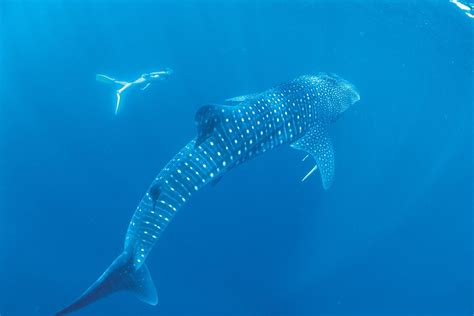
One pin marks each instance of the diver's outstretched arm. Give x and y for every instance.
(146, 86)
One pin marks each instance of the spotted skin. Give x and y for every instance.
(296, 113)
(317, 143)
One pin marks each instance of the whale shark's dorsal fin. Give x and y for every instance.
(216, 181)
(243, 98)
(317, 143)
(207, 118)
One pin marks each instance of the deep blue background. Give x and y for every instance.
(393, 236)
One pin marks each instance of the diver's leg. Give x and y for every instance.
(118, 102)
(125, 86)
(119, 93)
(105, 79)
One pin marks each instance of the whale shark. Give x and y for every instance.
(296, 113)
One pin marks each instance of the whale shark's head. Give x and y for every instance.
(342, 92)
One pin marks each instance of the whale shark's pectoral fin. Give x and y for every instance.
(318, 144)
(207, 118)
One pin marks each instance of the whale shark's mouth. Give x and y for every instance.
(351, 94)
(351, 91)
(349, 88)
(354, 93)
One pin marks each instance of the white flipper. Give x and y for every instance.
(317, 143)
(105, 79)
(109, 80)
(118, 103)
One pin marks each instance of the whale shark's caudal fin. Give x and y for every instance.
(120, 276)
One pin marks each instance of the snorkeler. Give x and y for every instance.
(143, 82)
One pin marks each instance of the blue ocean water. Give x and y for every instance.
(392, 236)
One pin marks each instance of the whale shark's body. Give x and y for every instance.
(296, 113)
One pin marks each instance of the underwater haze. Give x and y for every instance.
(393, 235)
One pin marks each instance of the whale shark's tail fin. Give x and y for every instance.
(121, 275)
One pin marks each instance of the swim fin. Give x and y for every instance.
(118, 103)
(104, 79)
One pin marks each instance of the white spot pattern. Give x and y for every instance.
(281, 115)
